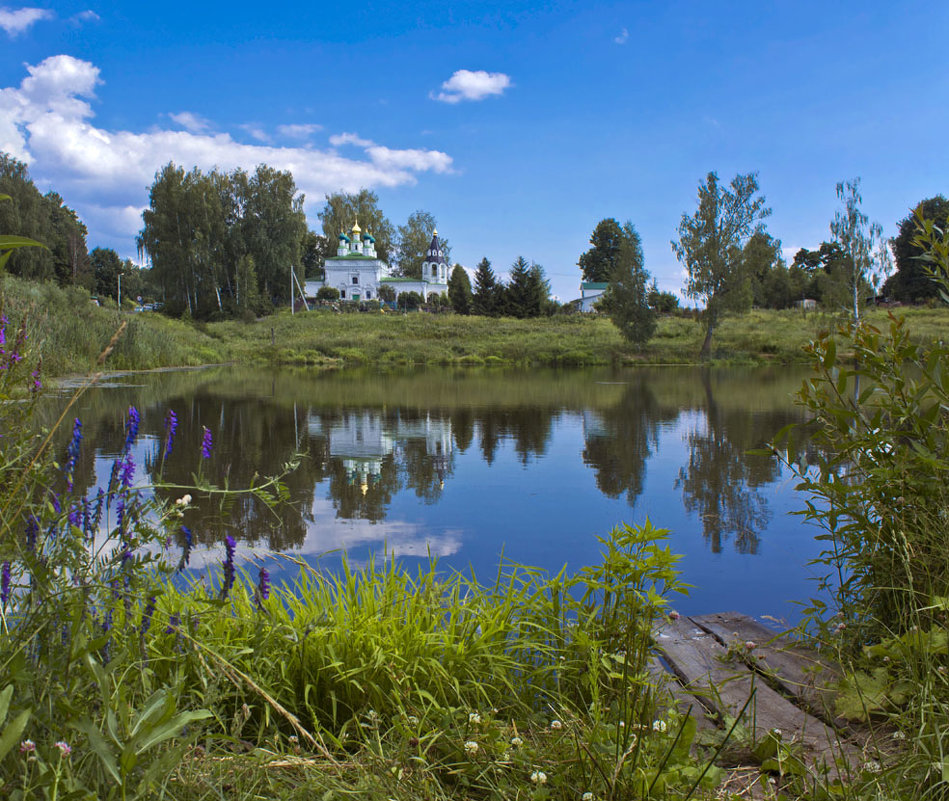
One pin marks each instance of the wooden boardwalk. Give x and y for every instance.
(716, 663)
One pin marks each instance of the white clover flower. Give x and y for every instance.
(872, 766)
(750, 645)
(588, 796)
(776, 732)
(413, 720)
(516, 742)
(471, 747)
(898, 735)
(474, 717)
(556, 725)
(184, 500)
(659, 725)
(539, 777)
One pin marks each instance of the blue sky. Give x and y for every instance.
(518, 125)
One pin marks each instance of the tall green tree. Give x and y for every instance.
(199, 228)
(486, 300)
(627, 295)
(342, 210)
(858, 239)
(273, 227)
(710, 245)
(598, 264)
(47, 219)
(314, 249)
(911, 283)
(459, 290)
(761, 258)
(106, 267)
(527, 290)
(413, 240)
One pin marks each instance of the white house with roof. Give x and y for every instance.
(590, 293)
(358, 273)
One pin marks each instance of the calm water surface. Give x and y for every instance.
(466, 466)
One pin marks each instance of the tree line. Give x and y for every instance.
(733, 263)
(225, 245)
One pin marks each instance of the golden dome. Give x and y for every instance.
(356, 228)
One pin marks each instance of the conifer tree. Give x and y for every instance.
(459, 290)
(485, 300)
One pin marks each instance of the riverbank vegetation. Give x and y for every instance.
(70, 331)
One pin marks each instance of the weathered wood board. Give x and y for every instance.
(798, 671)
(703, 666)
(667, 685)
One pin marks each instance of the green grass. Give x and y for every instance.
(70, 332)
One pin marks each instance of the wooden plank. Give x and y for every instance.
(797, 671)
(669, 693)
(699, 661)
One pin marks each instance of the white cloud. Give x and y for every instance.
(350, 139)
(298, 131)
(86, 16)
(48, 122)
(472, 85)
(623, 38)
(191, 121)
(16, 21)
(254, 130)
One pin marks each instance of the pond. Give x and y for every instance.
(468, 465)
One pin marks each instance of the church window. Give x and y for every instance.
(355, 279)
(342, 294)
(368, 295)
(434, 270)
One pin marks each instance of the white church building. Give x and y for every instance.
(358, 273)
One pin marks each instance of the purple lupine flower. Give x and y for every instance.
(230, 545)
(171, 426)
(173, 622)
(75, 515)
(147, 616)
(131, 426)
(72, 452)
(120, 515)
(16, 355)
(37, 385)
(113, 475)
(126, 471)
(263, 586)
(97, 515)
(186, 549)
(86, 518)
(206, 443)
(54, 499)
(4, 584)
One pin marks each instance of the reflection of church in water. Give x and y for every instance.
(363, 441)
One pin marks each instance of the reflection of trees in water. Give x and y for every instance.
(256, 436)
(619, 440)
(721, 480)
(529, 427)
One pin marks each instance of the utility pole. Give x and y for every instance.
(120, 289)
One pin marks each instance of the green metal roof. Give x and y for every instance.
(594, 285)
(399, 280)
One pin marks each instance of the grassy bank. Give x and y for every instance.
(70, 332)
